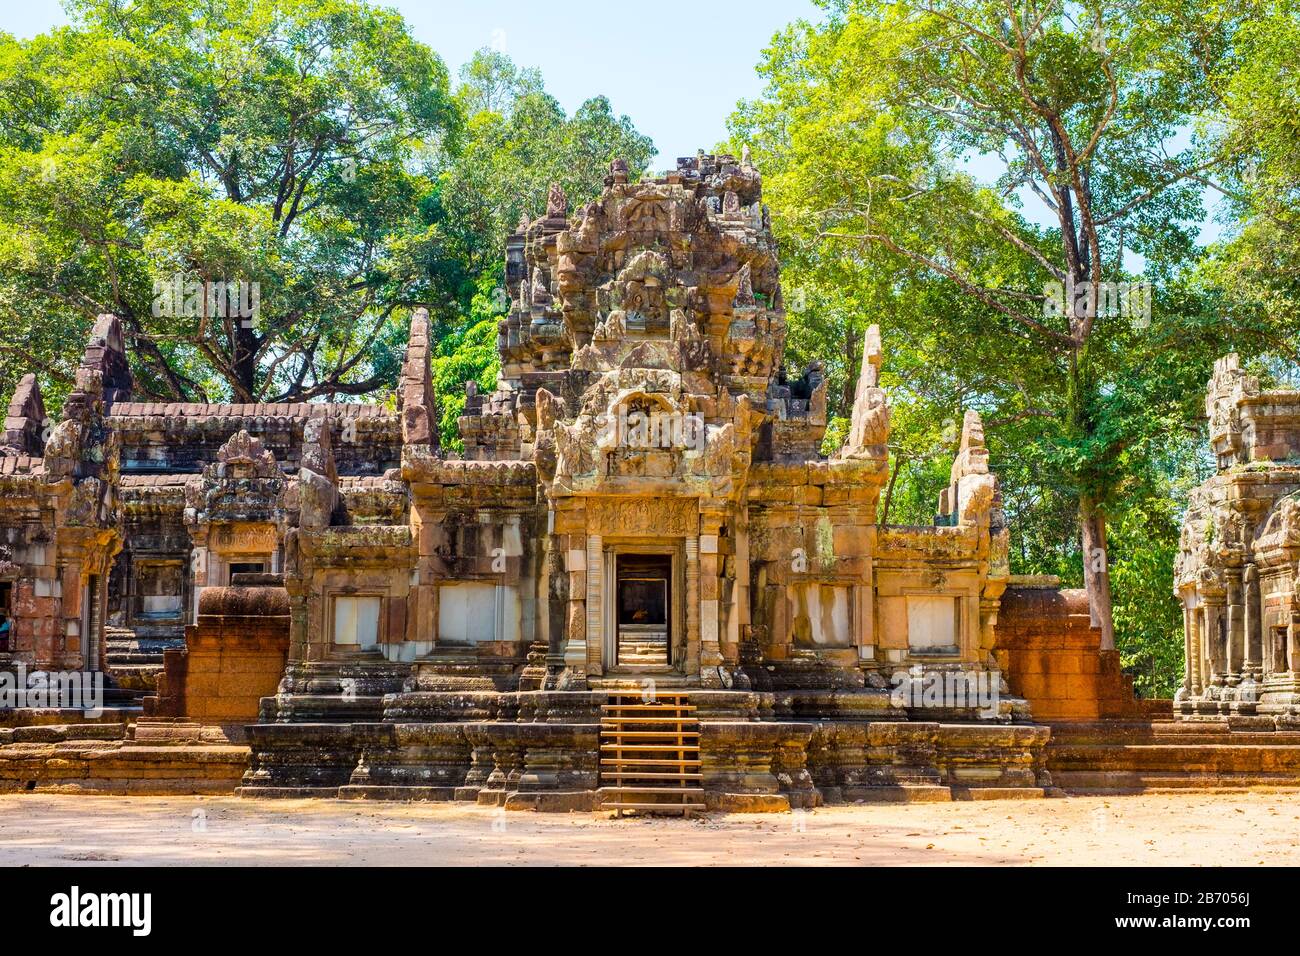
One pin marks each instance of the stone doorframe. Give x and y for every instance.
(219, 545)
(92, 618)
(606, 580)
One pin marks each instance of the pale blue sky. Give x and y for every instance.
(676, 69)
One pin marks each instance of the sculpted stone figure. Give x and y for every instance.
(1235, 571)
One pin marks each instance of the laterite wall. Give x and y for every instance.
(1051, 656)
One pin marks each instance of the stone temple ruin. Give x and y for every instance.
(1236, 568)
(641, 584)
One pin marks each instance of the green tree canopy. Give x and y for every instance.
(949, 169)
(274, 142)
(908, 142)
(186, 165)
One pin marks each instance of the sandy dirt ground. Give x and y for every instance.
(1254, 828)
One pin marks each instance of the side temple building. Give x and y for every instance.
(641, 509)
(1236, 568)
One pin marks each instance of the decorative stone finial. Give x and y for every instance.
(244, 456)
(869, 425)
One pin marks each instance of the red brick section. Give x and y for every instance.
(1051, 656)
(233, 657)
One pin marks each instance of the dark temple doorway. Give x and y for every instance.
(644, 605)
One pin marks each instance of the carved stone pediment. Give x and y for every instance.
(652, 210)
(647, 355)
(243, 484)
(244, 456)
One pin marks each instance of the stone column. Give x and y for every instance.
(557, 602)
(426, 526)
(740, 593)
(1194, 650)
(577, 652)
(1215, 641)
(1253, 665)
(694, 658)
(1234, 649)
(710, 589)
(96, 584)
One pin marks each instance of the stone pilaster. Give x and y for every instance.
(694, 658)
(1254, 627)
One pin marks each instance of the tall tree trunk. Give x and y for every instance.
(889, 491)
(245, 361)
(1096, 569)
(1092, 520)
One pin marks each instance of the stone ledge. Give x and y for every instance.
(405, 794)
(724, 802)
(901, 793)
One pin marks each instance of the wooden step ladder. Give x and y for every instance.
(650, 754)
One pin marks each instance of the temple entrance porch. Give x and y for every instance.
(644, 617)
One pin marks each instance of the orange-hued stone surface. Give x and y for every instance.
(1186, 829)
(1052, 657)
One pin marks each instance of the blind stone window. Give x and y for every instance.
(467, 612)
(932, 624)
(356, 620)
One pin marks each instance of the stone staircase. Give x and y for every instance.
(1137, 755)
(648, 648)
(650, 754)
(136, 661)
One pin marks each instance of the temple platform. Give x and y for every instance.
(731, 750)
(1137, 756)
(552, 763)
